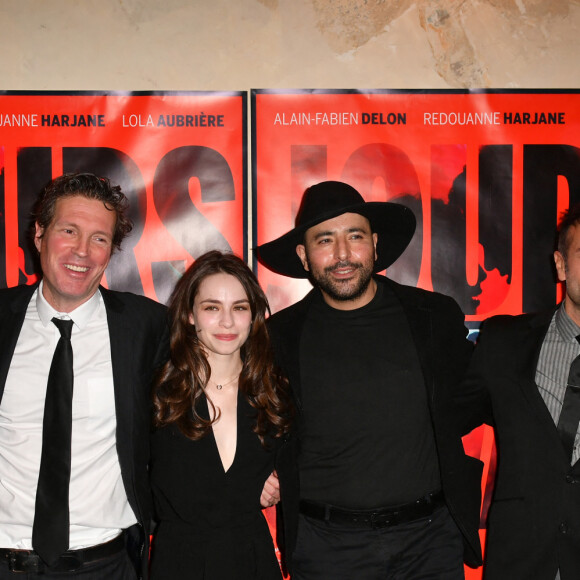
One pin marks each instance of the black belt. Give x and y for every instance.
(30, 561)
(376, 518)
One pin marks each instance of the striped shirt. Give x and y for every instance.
(559, 349)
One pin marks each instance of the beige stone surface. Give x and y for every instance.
(243, 44)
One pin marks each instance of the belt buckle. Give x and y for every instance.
(23, 561)
(383, 520)
(69, 562)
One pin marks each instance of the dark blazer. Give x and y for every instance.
(534, 519)
(436, 324)
(139, 343)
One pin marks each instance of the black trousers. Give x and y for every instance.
(429, 548)
(115, 567)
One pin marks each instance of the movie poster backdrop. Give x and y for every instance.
(179, 157)
(487, 174)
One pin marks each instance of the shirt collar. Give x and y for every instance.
(567, 328)
(80, 315)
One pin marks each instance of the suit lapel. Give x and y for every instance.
(122, 361)
(538, 329)
(11, 320)
(419, 319)
(292, 332)
(525, 369)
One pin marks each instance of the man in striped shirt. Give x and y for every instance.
(524, 379)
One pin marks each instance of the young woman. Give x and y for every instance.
(220, 414)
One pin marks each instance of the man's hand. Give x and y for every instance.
(271, 492)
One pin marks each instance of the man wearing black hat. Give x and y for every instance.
(386, 490)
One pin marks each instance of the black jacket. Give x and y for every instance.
(139, 343)
(534, 520)
(436, 324)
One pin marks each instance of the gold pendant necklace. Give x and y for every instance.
(220, 386)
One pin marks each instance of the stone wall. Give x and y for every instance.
(243, 44)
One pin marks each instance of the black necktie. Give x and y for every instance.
(570, 415)
(50, 531)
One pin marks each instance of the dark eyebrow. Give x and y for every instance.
(214, 301)
(323, 234)
(72, 224)
(349, 231)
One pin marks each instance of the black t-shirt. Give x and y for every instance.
(366, 439)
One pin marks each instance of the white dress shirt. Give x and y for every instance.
(98, 504)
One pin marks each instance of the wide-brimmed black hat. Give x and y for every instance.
(394, 223)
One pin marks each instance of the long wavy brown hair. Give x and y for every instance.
(182, 379)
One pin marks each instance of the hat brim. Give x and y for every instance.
(393, 223)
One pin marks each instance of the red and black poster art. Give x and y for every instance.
(179, 157)
(487, 174)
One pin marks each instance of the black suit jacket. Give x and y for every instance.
(139, 343)
(436, 324)
(534, 519)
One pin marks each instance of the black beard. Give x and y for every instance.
(332, 287)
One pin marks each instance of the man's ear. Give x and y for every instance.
(375, 240)
(38, 233)
(301, 251)
(560, 266)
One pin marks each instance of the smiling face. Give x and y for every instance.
(75, 249)
(340, 255)
(222, 315)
